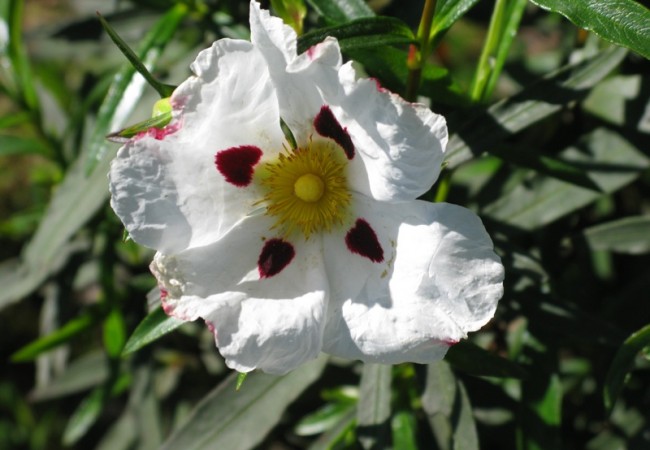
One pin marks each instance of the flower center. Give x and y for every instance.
(309, 188)
(306, 189)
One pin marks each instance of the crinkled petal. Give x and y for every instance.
(439, 279)
(274, 323)
(169, 193)
(299, 79)
(401, 145)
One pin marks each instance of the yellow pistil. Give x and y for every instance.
(306, 189)
(309, 188)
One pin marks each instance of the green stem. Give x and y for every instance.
(417, 56)
(478, 91)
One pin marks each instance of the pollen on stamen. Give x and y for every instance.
(306, 189)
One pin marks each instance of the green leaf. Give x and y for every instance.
(64, 334)
(162, 89)
(373, 408)
(51, 246)
(323, 419)
(152, 327)
(448, 409)
(114, 333)
(83, 373)
(116, 101)
(628, 235)
(404, 427)
(361, 33)
(503, 27)
(340, 435)
(125, 134)
(240, 380)
(18, 145)
(623, 101)
(341, 11)
(292, 12)
(84, 416)
(609, 160)
(622, 364)
(447, 13)
(541, 413)
(218, 420)
(623, 22)
(509, 116)
(473, 360)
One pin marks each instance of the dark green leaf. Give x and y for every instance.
(15, 145)
(622, 364)
(541, 413)
(64, 334)
(152, 327)
(624, 22)
(124, 134)
(447, 13)
(114, 333)
(116, 101)
(373, 408)
(609, 160)
(162, 89)
(628, 235)
(473, 360)
(448, 409)
(218, 420)
(362, 33)
(509, 116)
(341, 11)
(404, 428)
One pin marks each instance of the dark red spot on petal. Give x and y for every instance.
(236, 164)
(326, 125)
(275, 256)
(362, 240)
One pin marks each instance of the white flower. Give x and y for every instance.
(289, 252)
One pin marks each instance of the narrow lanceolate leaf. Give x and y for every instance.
(473, 360)
(126, 133)
(218, 420)
(622, 364)
(404, 428)
(448, 409)
(25, 88)
(629, 235)
(610, 161)
(624, 22)
(509, 116)
(18, 145)
(127, 87)
(447, 13)
(152, 327)
(361, 33)
(341, 11)
(84, 194)
(541, 413)
(64, 334)
(373, 408)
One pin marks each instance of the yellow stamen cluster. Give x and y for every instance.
(306, 188)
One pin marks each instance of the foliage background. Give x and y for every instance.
(550, 128)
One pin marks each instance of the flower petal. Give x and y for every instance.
(401, 145)
(169, 193)
(299, 79)
(440, 279)
(268, 321)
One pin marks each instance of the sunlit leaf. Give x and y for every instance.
(448, 409)
(624, 22)
(628, 235)
(509, 116)
(404, 427)
(361, 33)
(218, 420)
(373, 408)
(622, 364)
(152, 327)
(341, 11)
(447, 13)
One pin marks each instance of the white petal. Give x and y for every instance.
(168, 193)
(439, 280)
(400, 144)
(273, 324)
(299, 79)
